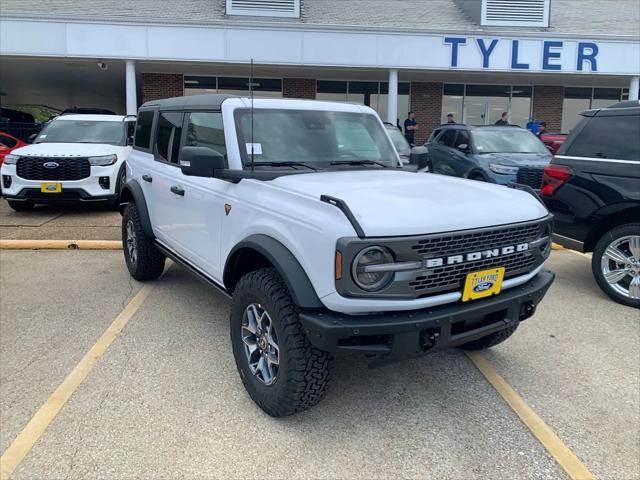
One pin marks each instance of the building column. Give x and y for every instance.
(634, 86)
(392, 98)
(426, 103)
(299, 88)
(547, 105)
(130, 81)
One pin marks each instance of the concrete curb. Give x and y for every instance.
(60, 245)
(555, 246)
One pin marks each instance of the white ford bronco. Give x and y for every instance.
(295, 209)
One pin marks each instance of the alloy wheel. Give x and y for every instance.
(260, 344)
(132, 242)
(620, 265)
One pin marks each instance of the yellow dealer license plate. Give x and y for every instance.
(51, 187)
(483, 284)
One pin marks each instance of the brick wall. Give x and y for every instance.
(299, 88)
(161, 85)
(426, 102)
(547, 105)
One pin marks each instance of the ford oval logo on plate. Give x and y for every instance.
(483, 287)
(50, 165)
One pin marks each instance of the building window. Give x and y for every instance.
(264, 8)
(578, 99)
(484, 104)
(263, 87)
(372, 94)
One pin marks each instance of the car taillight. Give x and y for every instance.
(553, 178)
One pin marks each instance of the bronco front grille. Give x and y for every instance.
(530, 176)
(68, 168)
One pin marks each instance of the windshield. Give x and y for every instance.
(507, 140)
(83, 131)
(313, 137)
(401, 144)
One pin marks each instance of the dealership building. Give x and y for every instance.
(542, 59)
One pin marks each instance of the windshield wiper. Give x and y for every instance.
(283, 164)
(359, 162)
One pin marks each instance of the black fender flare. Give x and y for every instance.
(132, 193)
(298, 283)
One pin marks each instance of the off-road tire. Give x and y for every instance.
(490, 340)
(598, 251)
(149, 263)
(304, 371)
(20, 206)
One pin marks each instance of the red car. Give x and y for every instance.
(553, 141)
(8, 144)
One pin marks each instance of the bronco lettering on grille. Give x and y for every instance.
(473, 256)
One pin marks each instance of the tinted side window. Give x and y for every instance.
(143, 129)
(435, 134)
(463, 137)
(448, 138)
(169, 131)
(205, 129)
(608, 137)
(7, 142)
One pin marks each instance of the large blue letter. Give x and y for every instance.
(547, 54)
(590, 56)
(514, 57)
(455, 41)
(486, 52)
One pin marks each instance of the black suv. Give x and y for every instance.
(593, 188)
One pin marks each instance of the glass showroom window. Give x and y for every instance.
(484, 104)
(577, 99)
(263, 87)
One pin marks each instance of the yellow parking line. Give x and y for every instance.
(60, 245)
(549, 440)
(23, 443)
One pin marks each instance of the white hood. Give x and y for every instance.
(71, 150)
(391, 203)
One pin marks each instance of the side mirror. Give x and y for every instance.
(32, 137)
(201, 162)
(419, 156)
(463, 147)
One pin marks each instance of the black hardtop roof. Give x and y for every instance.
(210, 101)
(464, 126)
(627, 107)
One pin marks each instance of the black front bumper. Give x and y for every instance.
(426, 330)
(68, 195)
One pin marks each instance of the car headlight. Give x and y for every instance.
(364, 271)
(11, 159)
(503, 169)
(103, 160)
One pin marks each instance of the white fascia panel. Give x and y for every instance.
(109, 41)
(20, 37)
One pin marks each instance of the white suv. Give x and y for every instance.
(296, 210)
(77, 158)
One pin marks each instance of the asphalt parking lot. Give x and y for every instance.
(165, 401)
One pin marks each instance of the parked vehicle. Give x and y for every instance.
(296, 210)
(18, 124)
(553, 141)
(87, 111)
(498, 154)
(8, 143)
(593, 188)
(399, 142)
(76, 158)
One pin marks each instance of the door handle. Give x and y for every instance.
(147, 178)
(177, 190)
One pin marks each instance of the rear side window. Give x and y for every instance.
(205, 129)
(143, 129)
(608, 137)
(448, 138)
(169, 131)
(7, 142)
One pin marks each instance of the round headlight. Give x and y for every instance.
(364, 272)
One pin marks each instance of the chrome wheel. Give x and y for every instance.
(132, 242)
(260, 344)
(620, 265)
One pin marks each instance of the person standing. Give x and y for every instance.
(503, 119)
(450, 118)
(410, 127)
(542, 128)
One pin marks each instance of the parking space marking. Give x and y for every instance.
(23, 443)
(587, 255)
(549, 440)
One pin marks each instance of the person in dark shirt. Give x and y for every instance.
(450, 118)
(503, 119)
(410, 127)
